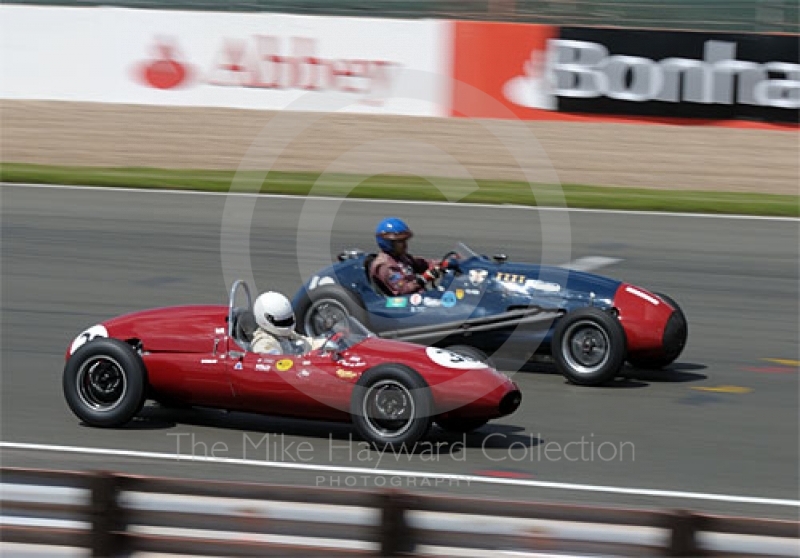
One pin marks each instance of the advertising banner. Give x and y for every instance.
(506, 62)
(482, 69)
(541, 72)
(233, 60)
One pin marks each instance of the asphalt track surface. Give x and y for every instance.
(73, 257)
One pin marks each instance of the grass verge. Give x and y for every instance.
(411, 188)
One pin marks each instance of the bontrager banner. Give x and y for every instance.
(542, 72)
(233, 60)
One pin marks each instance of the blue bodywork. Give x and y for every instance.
(479, 303)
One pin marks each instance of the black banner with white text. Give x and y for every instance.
(709, 76)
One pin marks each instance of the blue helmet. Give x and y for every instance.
(389, 230)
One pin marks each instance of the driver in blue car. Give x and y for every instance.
(394, 268)
(275, 334)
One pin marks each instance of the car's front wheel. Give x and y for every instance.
(104, 382)
(589, 346)
(391, 407)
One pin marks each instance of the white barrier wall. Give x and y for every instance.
(250, 61)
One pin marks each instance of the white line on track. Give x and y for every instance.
(407, 202)
(400, 473)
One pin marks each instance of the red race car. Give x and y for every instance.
(199, 355)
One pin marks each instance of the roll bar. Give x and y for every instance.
(232, 301)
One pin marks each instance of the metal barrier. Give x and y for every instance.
(705, 15)
(117, 514)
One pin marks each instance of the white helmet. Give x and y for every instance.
(274, 313)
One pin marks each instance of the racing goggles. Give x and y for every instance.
(405, 235)
(286, 322)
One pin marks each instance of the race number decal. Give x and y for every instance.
(88, 335)
(450, 359)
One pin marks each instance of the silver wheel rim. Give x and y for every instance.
(586, 347)
(323, 315)
(101, 383)
(388, 408)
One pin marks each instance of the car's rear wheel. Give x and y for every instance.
(589, 346)
(104, 382)
(391, 406)
(675, 335)
(460, 425)
(326, 306)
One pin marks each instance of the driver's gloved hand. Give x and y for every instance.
(428, 277)
(451, 265)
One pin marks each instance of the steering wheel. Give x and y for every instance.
(443, 269)
(334, 340)
(447, 257)
(444, 261)
(435, 283)
(336, 337)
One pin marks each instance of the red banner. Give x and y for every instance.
(503, 60)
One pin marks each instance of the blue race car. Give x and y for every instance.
(489, 309)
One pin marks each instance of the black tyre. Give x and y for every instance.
(460, 425)
(589, 346)
(391, 407)
(472, 353)
(325, 306)
(104, 382)
(675, 335)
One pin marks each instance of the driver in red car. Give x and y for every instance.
(394, 268)
(275, 334)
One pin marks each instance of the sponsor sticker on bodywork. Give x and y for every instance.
(284, 365)
(504, 277)
(346, 374)
(543, 285)
(396, 302)
(352, 362)
(477, 276)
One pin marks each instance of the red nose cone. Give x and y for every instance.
(644, 317)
